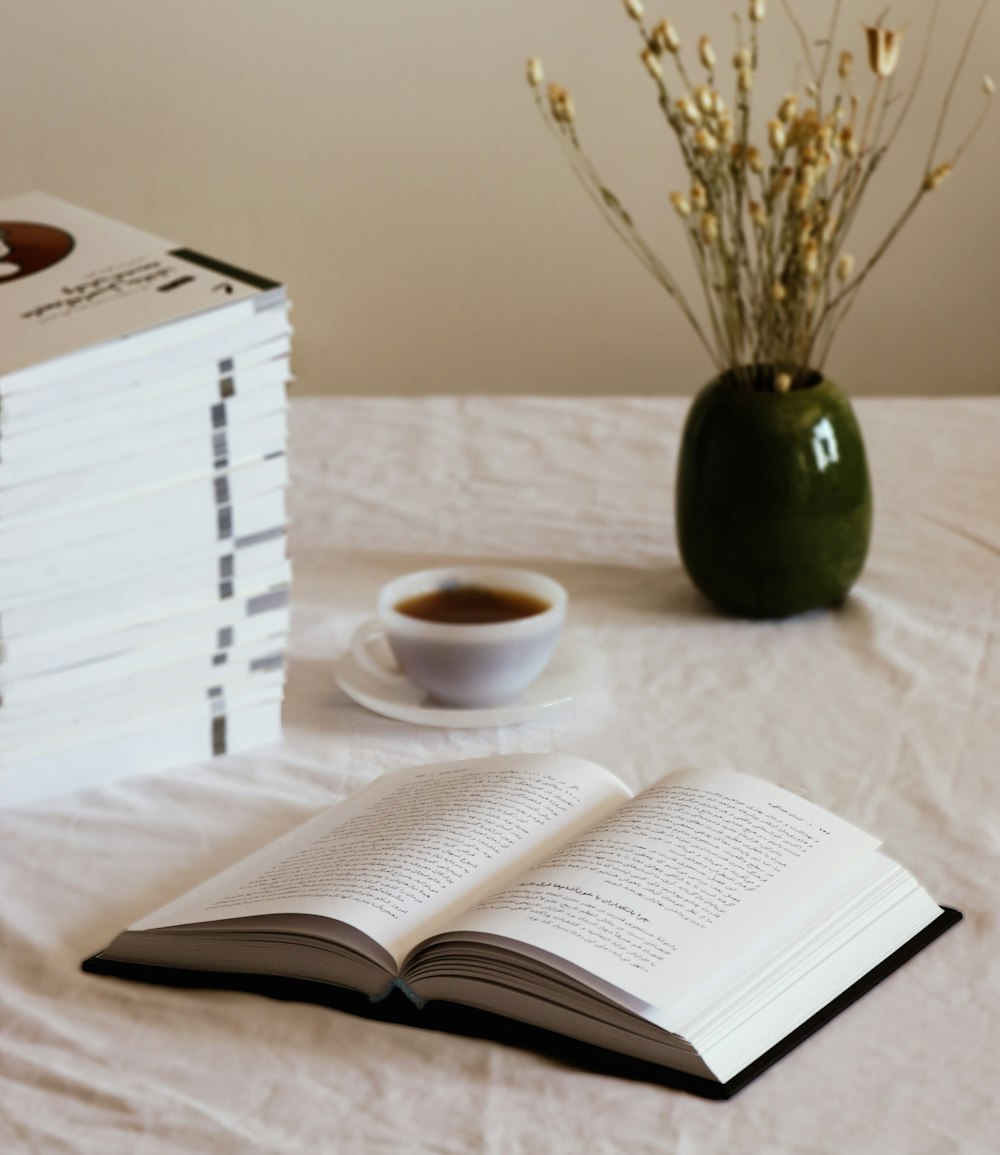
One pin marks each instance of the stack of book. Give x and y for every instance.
(144, 583)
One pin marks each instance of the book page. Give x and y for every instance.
(413, 848)
(676, 883)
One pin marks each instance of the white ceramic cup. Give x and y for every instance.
(456, 663)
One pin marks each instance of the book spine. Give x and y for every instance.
(398, 984)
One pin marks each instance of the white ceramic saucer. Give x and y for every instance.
(574, 669)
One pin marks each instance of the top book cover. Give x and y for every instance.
(71, 279)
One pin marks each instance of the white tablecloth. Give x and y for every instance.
(887, 712)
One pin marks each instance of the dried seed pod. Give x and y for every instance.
(883, 49)
(937, 176)
(705, 97)
(848, 142)
(681, 204)
(534, 72)
(705, 142)
(689, 110)
(799, 197)
(776, 135)
(845, 266)
(788, 108)
(652, 63)
(664, 38)
(561, 104)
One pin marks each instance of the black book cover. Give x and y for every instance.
(453, 1018)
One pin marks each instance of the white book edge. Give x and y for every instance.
(180, 743)
(202, 451)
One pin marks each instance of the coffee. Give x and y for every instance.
(472, 605)
(466, 636)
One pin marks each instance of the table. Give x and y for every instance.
(887, 712)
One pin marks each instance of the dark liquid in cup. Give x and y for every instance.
(472, 605)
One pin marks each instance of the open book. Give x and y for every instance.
(690, 934)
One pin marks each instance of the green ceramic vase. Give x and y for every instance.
(774, 503)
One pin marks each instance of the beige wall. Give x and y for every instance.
(385, 158)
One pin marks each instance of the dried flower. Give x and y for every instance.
(799, 198)
(883, 49)
(848, 142)
(705, 142)
(561, 103)
(771, 201)
(689, 110)
(776, 135)
(845, 266)
(681, 204)
(937, 176)
(788, 108)
(664, 38)
(804, 129)
(705, 97)
(652, 63)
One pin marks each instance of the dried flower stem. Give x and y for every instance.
(828, 46)
(921, 67)
(619, 219)
(945, 107)
(803, 40)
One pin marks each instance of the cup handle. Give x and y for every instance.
(371, 651)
